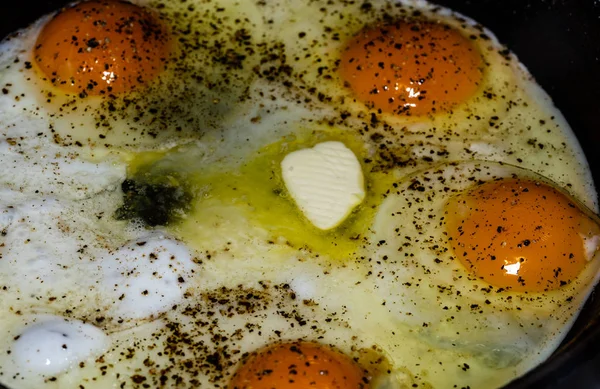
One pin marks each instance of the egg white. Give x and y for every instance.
(318, 32)
(424, 286)
(195, 92)
(510, 119)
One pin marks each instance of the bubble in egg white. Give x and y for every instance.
(53, 344)
(146, 277)
(591, 245)
(305, 287)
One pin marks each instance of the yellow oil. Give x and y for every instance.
(251, 196)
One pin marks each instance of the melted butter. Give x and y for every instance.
(249, 199)
(139, 162)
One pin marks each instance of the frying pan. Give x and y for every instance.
(559, 42)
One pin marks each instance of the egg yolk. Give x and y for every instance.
(298, 365)
(520, 235)
(101, 46)
(411, 68)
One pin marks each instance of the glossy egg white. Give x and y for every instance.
(426, 288)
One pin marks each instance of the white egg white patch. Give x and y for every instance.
(53, 344)
(146, 277)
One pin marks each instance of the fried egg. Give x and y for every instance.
(400, 46)
(163, 161)
(88, 57)
(390, 59)
(472, 248)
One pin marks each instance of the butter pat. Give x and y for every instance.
(326, 182)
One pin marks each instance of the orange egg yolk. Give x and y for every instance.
(411, 68)
(298, 365)
(519, 235)
(101, 47)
